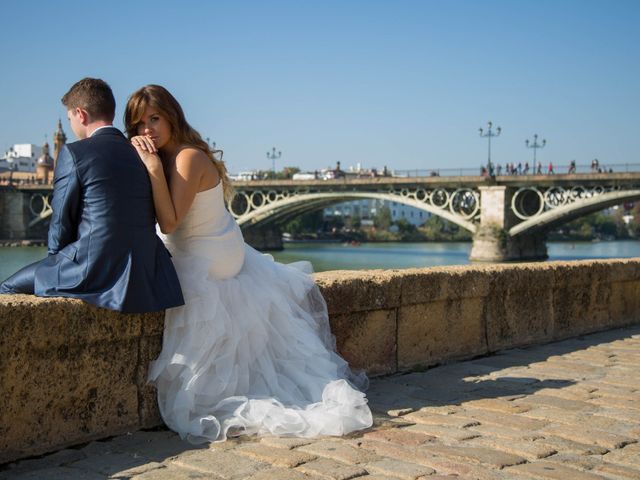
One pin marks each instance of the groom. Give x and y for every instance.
(103, 247)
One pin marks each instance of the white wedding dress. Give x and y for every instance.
(251, 350)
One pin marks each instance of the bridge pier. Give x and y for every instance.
(16, 215)
(492, 242)
(13, 209)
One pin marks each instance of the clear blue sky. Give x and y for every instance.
(398, 83)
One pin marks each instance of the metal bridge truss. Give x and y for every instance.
(545, 207)
(254, 207)
(536, 207)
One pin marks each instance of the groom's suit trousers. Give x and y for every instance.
(20, 282)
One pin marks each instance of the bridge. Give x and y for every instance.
(509, 216)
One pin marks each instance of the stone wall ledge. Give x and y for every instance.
(71, 372)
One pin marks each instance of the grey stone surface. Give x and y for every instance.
(537, 429)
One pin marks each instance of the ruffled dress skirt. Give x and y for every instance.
(253, 354)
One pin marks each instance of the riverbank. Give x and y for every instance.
(23, 243)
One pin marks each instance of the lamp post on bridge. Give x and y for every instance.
(535, 145)
(273, 156)
(489, 135)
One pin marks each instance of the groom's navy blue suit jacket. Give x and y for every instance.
(103, 246)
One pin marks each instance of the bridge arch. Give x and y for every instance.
(566, 213)
(304, 202)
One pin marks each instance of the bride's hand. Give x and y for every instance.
(147, 151)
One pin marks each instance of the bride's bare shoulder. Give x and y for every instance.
(188, 155)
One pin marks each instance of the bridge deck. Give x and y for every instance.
(566, 410)
(449, 181)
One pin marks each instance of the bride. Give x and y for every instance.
(250, 351)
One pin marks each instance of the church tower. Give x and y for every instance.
(44, 166)
(59, 139)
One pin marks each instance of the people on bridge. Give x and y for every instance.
(550, 169)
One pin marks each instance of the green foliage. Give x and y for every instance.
(287, 172)
(382, 219)
(356, 221)
(309, 222)
(596, 226)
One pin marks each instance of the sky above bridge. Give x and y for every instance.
(405, 84)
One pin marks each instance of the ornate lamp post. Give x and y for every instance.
(535, 145)
(212, 145)
(489, 134)
(273, 156)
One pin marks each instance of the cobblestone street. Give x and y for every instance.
(568, 410)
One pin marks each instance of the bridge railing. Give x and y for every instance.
(557, 169)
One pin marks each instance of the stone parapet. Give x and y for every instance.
(71, 372)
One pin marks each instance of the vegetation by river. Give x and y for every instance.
(618, 224)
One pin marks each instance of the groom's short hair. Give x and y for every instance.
(94, 96)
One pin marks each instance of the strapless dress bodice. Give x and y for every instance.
(209, 231)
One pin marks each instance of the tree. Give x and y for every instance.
(382, 218)
(287, 172)
(356, 222)
(309, 222)
(405, 227)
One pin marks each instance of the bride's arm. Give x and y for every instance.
(172, 200)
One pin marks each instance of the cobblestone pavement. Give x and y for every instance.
(568, 410)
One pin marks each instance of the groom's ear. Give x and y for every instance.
(83, 116)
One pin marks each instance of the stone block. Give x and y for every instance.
(226, 465)
(356, 291)
(625, 303)
(398, 469)
(445, 283)
(70, 373)
(330, 469)
(339, 451)
(148, 350)
(519, 308)
(367, 340)
(581, 298)
(280, 457)
(434, 332)
(552, 471)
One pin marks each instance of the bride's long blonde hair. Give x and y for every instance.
(158, 97)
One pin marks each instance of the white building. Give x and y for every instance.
(23, 155)
(367, 208)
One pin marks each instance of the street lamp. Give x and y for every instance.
(535, 145)
(273, 156)
(489, 135)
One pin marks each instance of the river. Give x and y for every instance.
(336, 256)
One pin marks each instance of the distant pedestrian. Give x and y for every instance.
(550, 169)
(499, 169)
(526, 168)
(539, 169)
